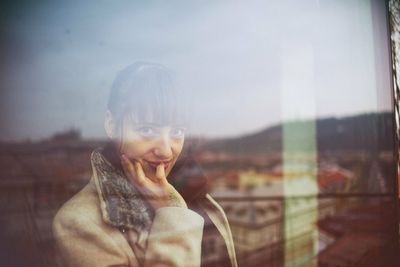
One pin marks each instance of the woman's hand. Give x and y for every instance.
(157, 191)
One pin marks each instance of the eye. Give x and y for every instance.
(147, 131)
(177, 132)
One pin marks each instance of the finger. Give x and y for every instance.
(129, 170)
(160, 173)
(139, 172)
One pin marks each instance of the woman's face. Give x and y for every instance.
(152, 145)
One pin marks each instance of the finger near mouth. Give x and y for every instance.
(154, 166)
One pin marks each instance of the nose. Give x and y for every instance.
(163, 148)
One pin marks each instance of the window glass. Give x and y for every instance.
(288, 123)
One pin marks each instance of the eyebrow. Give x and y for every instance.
(137, 122)
(160, 125)
(149, 124)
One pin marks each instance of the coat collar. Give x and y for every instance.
(121, 203)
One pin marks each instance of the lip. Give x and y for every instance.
(155, 164)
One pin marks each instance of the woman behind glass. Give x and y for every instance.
(130, 214)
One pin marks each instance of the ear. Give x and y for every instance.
(109, 125)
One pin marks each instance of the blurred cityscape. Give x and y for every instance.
(346, 215)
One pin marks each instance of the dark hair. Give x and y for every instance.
(147, 92)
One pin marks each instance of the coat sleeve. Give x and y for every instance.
(81, 242)
(175, 238)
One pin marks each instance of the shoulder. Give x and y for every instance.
(79, 212)
(81, 236)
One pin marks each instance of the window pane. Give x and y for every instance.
(287, 108)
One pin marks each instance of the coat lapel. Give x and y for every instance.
(217, 216)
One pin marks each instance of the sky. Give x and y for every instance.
(243, 65)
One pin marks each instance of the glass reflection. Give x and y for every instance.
(292, 126)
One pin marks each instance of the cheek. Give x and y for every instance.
(136, 148)
(177, 147)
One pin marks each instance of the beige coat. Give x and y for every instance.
(108, 224)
